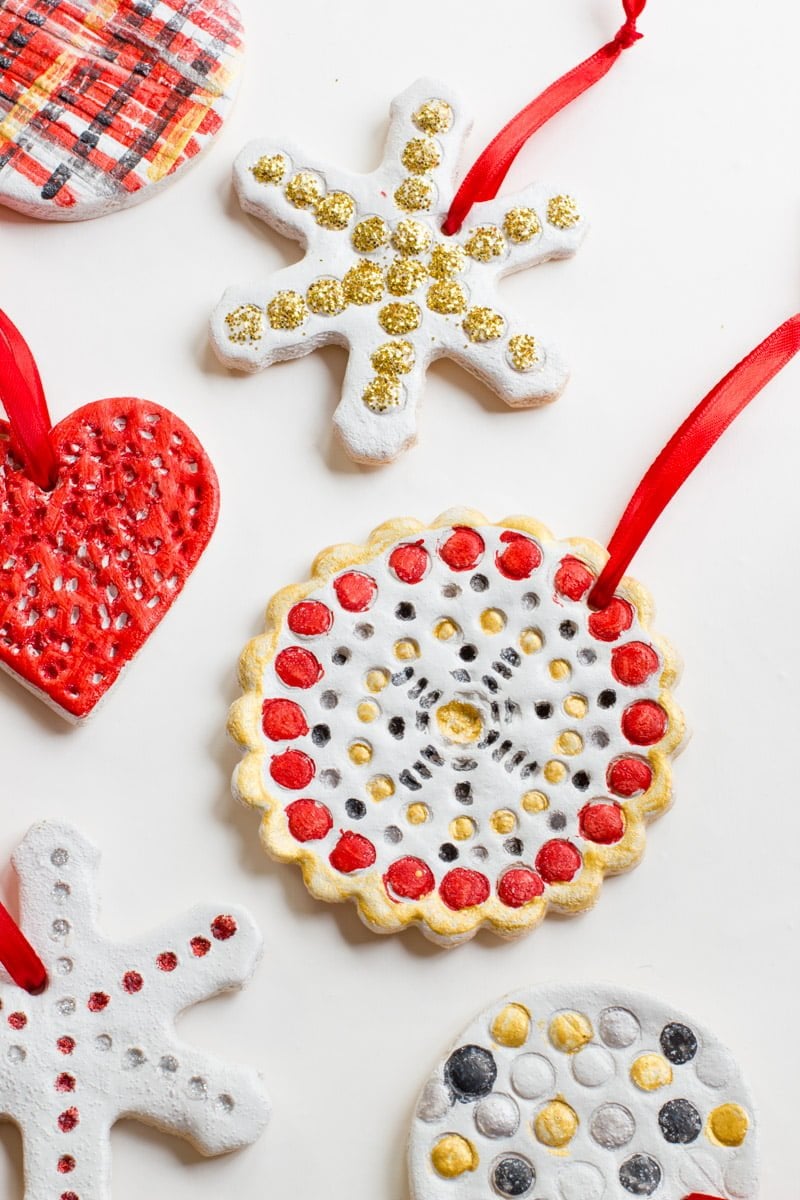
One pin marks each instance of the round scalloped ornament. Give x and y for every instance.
(438, 727)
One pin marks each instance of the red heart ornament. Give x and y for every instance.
(89, 569)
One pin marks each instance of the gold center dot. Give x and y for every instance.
(530, 641)
(462, 828)
(492, 620)
(503, 821)
(535, 802)
(417, 814)
(368, 711)
(459, 722)
(445, 629)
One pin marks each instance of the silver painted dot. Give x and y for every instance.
(103, 1042)
(225, 1103)
(134, 1057)
(531, 1076)
(329, 778)
(61, 892)
(434, 1102)
(59, 857)
(479, 852)
(198, 1088)
(451, 590)
(612, 1126)
(64, 966)
(66, 1006)
(168, 1065)
(497, 1116)
(618, 1027)
(17, 1054)
(59, 928)
(593, 1066)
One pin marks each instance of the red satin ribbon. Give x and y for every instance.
(488, 172)
(688, 447)
(699, 1196)
(19, 957)
(22, 396)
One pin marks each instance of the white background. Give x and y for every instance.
(686, 160)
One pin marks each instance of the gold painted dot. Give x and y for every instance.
(511, 1026)
(446, 297)
(377, 679)
(485, 243)
(554, 771)
(459, 722)
(576, 706)
(535, 802)
(434, 116)
(483, 325)
(393, 358)
(245, 324)
(405, 275)
(326, 297)
(446, 261)
(270, 168)
(560, 669)
(521, 224)
(462, 828)
(335, 211)
(414, 195)
(531, 641)
(445, 629)
(382, 394)
(523, 352)
(421, 155)
(651, 1072)
(570, 1031)
(406, 649)
(417, 814)
(728, 1125)
(453, 1155)
(363, 283)
(368, 711)
(287, 310)
(380, 787)
(400, 318)
(556, 1124)
(411, 237)
(493, 620)
(562, 211)
(503, 821)
(304, 190)
(569, 742)
(370, 234)
(360, 753)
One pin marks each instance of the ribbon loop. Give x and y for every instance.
(19, 957)
(23, 398)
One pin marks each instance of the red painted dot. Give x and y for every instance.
(68, 1120)
(519, 886)
(558, 861)
(633, 663)
(223, 927)
(463, 549)
(298, 668)
(644, 723)
(612, 621)
(629, 776)
(410, 562)
(200, 946)
(132, 982)
(65, 1164)
(69, 1196)
(65, 1082)
(573, 578)
(352, 853)
(521, 556)
(308, 820)
(461, 888)
(98, 1001)
(17, 1020)
(409, 878)
(283, 719)
(167, 961)
(293, 769)
(310, 618)
(65, 1045)
(603, 823)
(355, 591)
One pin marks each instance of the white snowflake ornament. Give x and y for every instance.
(381, 278)
(99, 1042)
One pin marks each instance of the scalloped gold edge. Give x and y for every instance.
(437, 921)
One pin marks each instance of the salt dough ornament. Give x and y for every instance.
(103, 104)
(99, 1042)
(584, 1093)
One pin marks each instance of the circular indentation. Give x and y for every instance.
(168, 1065)
(59, 929)
(66, 1006)
(471, 1072)
(556, 1124)
(59, 857)
(512, 1025)
(329, 700)
(368, 711)
(64, 966)
(17, 1054)
(417, 813)
(570, 1031)
(103, 1043)
(680, 1122)
(459, 722)
(678, 1043)
(197, 1087)
(593, 1066)
(728, 1125)
(61, 892)
(497, 1116)
(618, 1027)
(492, 620)
(640, 1175)
(462, 829)
(225, 1103)
(532, 1076)
(133, 1058)
(503, 821)
(612, 1126)
(392, 835)
(651, 1072)
(714, 1066)
(453, 1155)
(355, 809)
(434, 1102)
(534, 802)
(513, 1175)
(581, 1181)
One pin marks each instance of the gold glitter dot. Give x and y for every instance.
(503, 821)
(521, 224)
(270, 168)
(368, 711)
(576, 706)
(382, 394)
(380, 787)
(511, 1027)
(560, 669)
(400, 318)
(405, 275)
(485, 243)
(445, 629)
(417, 814)
(447, 261)
(377, 679)
(335, 211)
(304, 190)
(493, 620)
(453, 1155)
(326, 297)
(728, 1125)
(435, 116)
(370, 234)
(245, 324)
(406, 649)
(523, 352)
(556, 1124)
(287, 311)
(651, 1072)
(446, 296)
(363, 283)
(531, 641)
(554, 771)
(462, 829)
(459, 722)
(568, 742)
(421, 155)
(534, 802)
(414, 195)
(411, 237)
(483, 325)
(360, 753)
(562, 211)
(570, 1031)
(393, 358)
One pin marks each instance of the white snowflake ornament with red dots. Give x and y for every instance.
(99, 1043)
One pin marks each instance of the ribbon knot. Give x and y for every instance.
(627, 36)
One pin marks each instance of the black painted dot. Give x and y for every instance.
(329, 699)
(451, 590)
(405, 611)
(448, 852)
(557, 820)
(340, 656)
(600, 738)
(530, 600)
(464, 793)
(607, 699)
(513, 1176)
(320, 735)
(587, 657)
(640, 1175)
(356, 809)
(468, 653)
(513, 846)
(364, 631)
(543, 709)
(393, 835)
(470, 1072)
(397, 727)
(680, 1122)
(568, 629)
(479, 583)
(580, 780)
(678, 1043)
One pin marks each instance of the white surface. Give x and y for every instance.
(686, 159)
